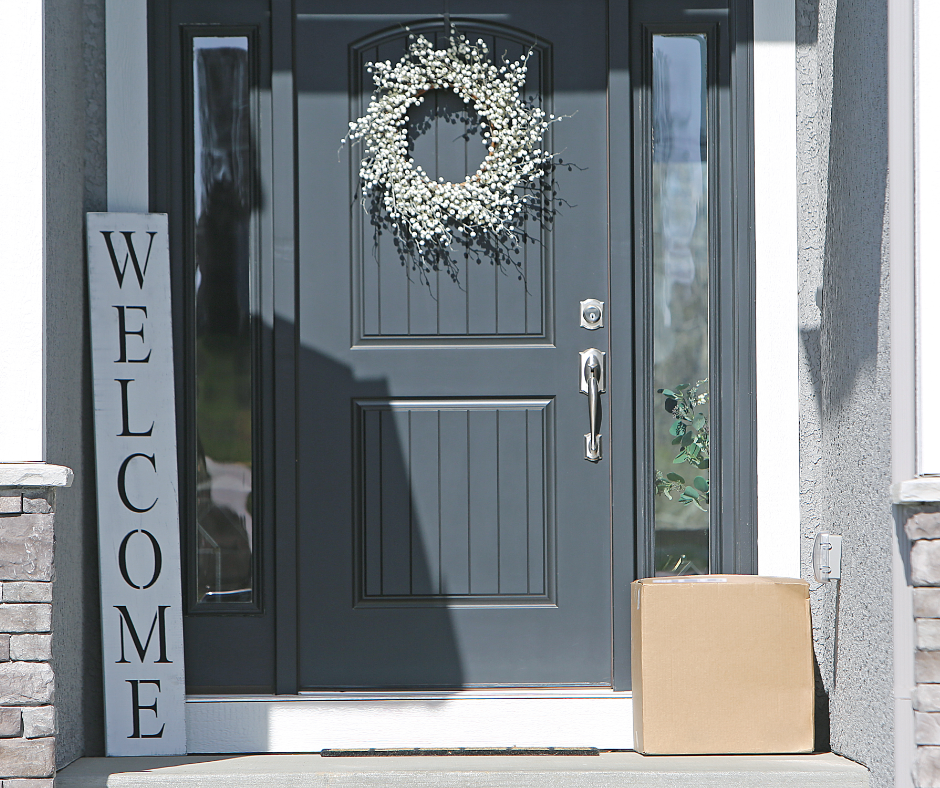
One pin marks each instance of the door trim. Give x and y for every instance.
(315, 721)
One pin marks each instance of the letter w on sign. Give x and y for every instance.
(121, 268)
(141, 602)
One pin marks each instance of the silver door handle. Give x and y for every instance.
(593, 383)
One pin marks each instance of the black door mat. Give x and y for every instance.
(372, 752)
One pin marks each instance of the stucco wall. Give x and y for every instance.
(845, 377)
(74, 183)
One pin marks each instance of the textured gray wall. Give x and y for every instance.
(74, 183)
(845, 375)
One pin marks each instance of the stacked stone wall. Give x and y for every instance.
(27, 685)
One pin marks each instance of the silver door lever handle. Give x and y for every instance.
(593, 383)
(593, 449)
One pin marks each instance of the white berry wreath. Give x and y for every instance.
(426, 214)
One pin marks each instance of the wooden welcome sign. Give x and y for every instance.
(138, 501)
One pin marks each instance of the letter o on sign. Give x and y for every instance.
(157, 559)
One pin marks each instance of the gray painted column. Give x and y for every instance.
(27, 683)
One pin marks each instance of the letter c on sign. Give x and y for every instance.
(121, 474)
(157, 559)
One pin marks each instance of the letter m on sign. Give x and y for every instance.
(159, 624)
(130, 255)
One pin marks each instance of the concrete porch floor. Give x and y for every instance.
(608, 770)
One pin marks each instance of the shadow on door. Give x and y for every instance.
(369, 536)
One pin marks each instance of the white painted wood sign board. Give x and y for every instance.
(138, 498)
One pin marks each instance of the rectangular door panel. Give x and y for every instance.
(454, 502)
(487, 298)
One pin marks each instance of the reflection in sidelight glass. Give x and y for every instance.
(223, 326)
(680, 251)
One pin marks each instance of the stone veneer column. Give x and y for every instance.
(922, 525)
(27, 684)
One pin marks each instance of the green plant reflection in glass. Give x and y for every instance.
(689, 432)
(680, 266)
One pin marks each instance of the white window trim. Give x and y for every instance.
(21, 236)
(777, 287)
(128, 115)
(927, 236)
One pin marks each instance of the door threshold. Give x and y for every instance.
(462, 693)
(611, 769)
(408, 719)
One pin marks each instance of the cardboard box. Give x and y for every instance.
(722, 664)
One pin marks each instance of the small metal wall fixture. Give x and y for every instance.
(592, 314)
(827, 557)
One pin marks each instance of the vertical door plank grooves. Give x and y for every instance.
(465, 267)
(469, 513)
(487, 300)
(499, 506)
(369, 468)
(445, 518)
(492, 43)
(528, 512)
(381, 451)
(440, 514)
(377, 248)
(410, 480)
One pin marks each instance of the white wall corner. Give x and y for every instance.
(21, 236)
(777, 285)
(907, 392)
(925, 115)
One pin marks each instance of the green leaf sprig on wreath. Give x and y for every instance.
(690, 433)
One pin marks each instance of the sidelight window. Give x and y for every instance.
(681, 253)
(694, 281)
(222, 545)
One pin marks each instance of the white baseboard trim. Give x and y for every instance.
(468, 718)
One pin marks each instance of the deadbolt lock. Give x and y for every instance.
(592, 314)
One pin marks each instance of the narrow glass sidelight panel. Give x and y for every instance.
(680, 254)
(222, 196)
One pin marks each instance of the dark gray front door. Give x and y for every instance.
(450, 531)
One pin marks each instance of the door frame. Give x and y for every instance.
(131, 188)
(313, 721)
